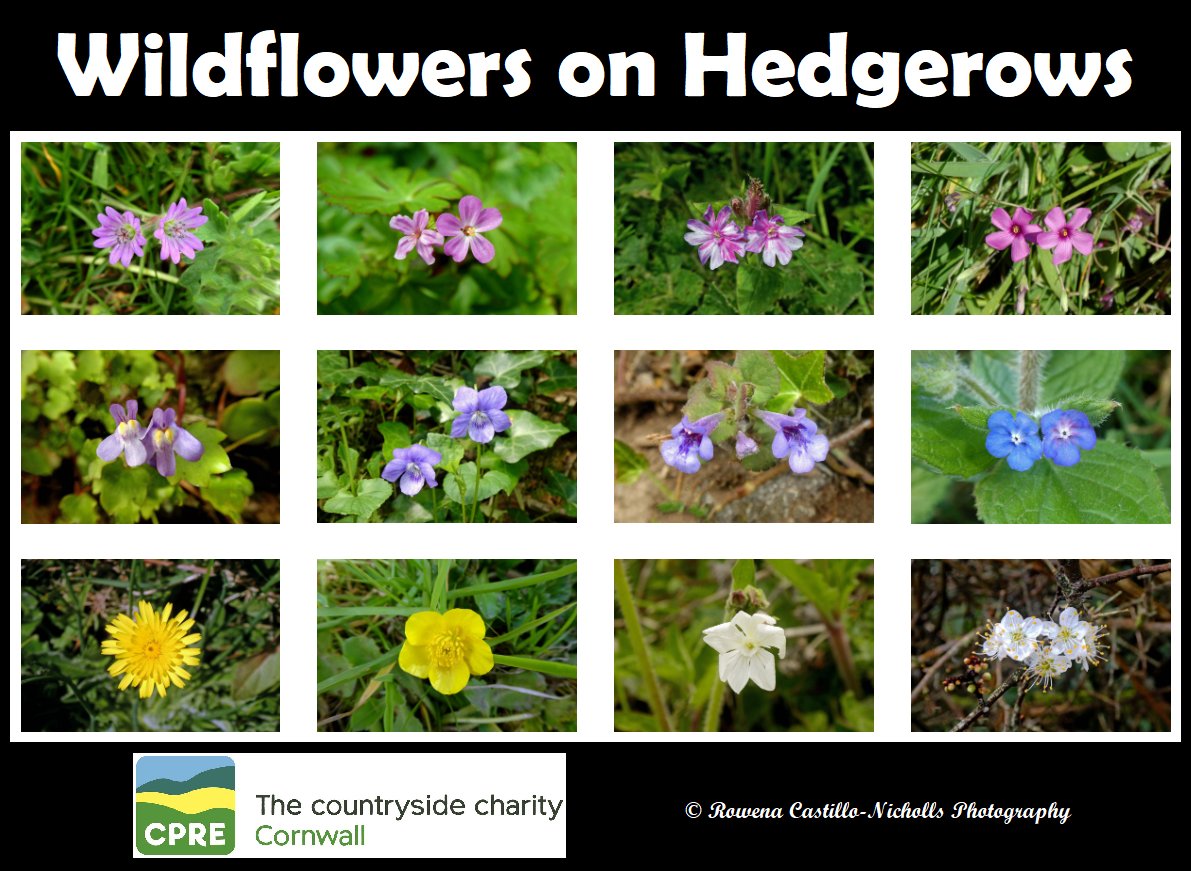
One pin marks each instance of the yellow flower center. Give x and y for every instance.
(469, 231)
(152, 650)
(126, 429)
(163, 435)
(448, 648)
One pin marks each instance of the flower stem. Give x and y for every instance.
(715, 702)
(434, 503)
(87, 259)
(973, 383)
(628, 608)
(475, 509)
(841, 649)
(1029, 369)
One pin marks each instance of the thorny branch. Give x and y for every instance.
(985, 708)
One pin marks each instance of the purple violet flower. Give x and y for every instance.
(1064, 235)
(691, 442)
(164, 438)
(1014, 437)
(772, 239)
(744, 445)
(174, 231)
(465, 230)
(1015, 233)
(121, 233)
(717, 238)
(127, 437)
(414, 466)
(480, 416)
(416, 236)
(795, 435)
(1064, 433)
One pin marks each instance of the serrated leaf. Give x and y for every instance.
(629, 463)
(371, 495)
(802, 380)
(759, 369)
(943, 441)
(505, 368)
(1081, 373)
(78, 508)
(700, 402)
(385, 190)
(1110, 484)
(720, 377)
(419, 384)
(528, 433)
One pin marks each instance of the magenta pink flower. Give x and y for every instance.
(772, 239)
(1015, 233)
(717, 238)
(175, 231)
(121, 233)
(465, 230)
(1065, 235)
(416, 236)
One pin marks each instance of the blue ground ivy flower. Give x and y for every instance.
(127, 437)
(480, 416)
(1064, 433)
(414, 466)
(797, 437)
(164, 438)
(1014, 437)
(691, 442)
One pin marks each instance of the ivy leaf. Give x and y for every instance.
(505, 368)
(78, 508)
(252, 419)
(460, 487)
(528, 433)
(801, 377)
(214, 460)
(124, 491)
(371, 495)
(942, 440)
(419, 384)
(228, 493)
(1110, 484)
(629, 463)
(451, 450)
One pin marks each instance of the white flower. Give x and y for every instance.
(1087, 651)
(743, 647)
(994, 643)
(1021, 635)
(1045, 665)
(1069, 633)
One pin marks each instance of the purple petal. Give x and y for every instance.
(110, 448)
(421, 454)
(1000, 240)
(426, 252)
(165, 462)
(483, 250)
(488, 219)
(117, 413)
(1082, 242)
(404, 245)
(421, 219)
(466, 400)
(402, 224)
(1000, 218)
(801, 461)
(428, 474)
(459, 426)
(1063, 452)
(1046, 239)
(1055, 219)
(431, 237)
(491, 398)
(456, 248)
(706, 448)
(1062, 252)
(411, 484)
(781, 445)
(469, 210)
(1021, 248)
(500, 420)
(1021, 216)
(1078, 218)
(817, 447)
(448, 224)
(134, 452)
(480, 429)
(393, 470)
(187, 446)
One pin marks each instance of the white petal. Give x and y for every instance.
(722, 638)
(773, 636)
(1049, 629)
(734, 669)
(1032, 626)
(761, 670)
(1069, 617)
(1011, 619)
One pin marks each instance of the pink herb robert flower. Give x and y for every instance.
(416, 236)
(718, 239)
(175, 232)
(1014, 233)
(465, 230)
(1064, 235)
(121, 233)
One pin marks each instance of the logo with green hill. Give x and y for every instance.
(185, 805)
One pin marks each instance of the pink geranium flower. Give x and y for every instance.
(416, 236)
(465, 230)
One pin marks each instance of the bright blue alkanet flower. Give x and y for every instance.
(480, 416)
(414, 466)
(127, 437)
(1064, 433)
(1014, 437)
(691, 441)
(164, 438)
(796, 436)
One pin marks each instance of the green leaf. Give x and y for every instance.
(372, 494)
(936, 372)
(505, 368)
(250, 372)
(124, 491)
(228, 493)
(1110, 484)
(1081, 373)
(802, 378)
(256, 675)
(976, 416)
(700, 402)
(451, 450)
(359, 649)
(251, 416)
(811, 584)
(328, 484)
(82, 508)
(395, 435)
(927, 490)
(743, 574)
(791, 217)
(377, 189)
(419, 384)
(759, 369)
(942, 440)
(758, 289)
(1097, 410)
(214, 460)
(528, 433)
(720, 378)
(629, 463)
(557, 669)
(1121, 151)
(460, 487)
(997, 371)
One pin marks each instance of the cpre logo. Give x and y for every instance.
(185, 805)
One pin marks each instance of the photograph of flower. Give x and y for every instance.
(150, 228)
(1040, 436)
(447, 436)
(751, 228)
(744, 436)
(1040, 228)
(418, 645)
(1038, 645)
(447, 228)
(744, 645)
(150, 645)
(150, 436)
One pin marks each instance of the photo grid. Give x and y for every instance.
(756, 322)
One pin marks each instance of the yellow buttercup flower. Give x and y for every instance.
(151, 649)
(447, 648)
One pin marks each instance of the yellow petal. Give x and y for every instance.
(423, 626)
(146, 612)
(146, 689)
(190, 639)
(165, 612)
(181, 671)
(449, 681)
(161, 690)
(414, 659)
(117, 667)
(127, 680)
(479, 657)
(466, 621)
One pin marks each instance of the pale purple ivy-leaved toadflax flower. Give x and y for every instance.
(796, 436)
(465, 230)
(480, 416)
(414, 467)
(127, 437)
(416, 237)
(121, 233)
(175, 231)
(164, 438)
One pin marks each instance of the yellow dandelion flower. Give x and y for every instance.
(151, 649)
(447, 648)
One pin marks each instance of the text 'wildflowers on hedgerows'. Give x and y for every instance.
(1015, 438)
(465, 232)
